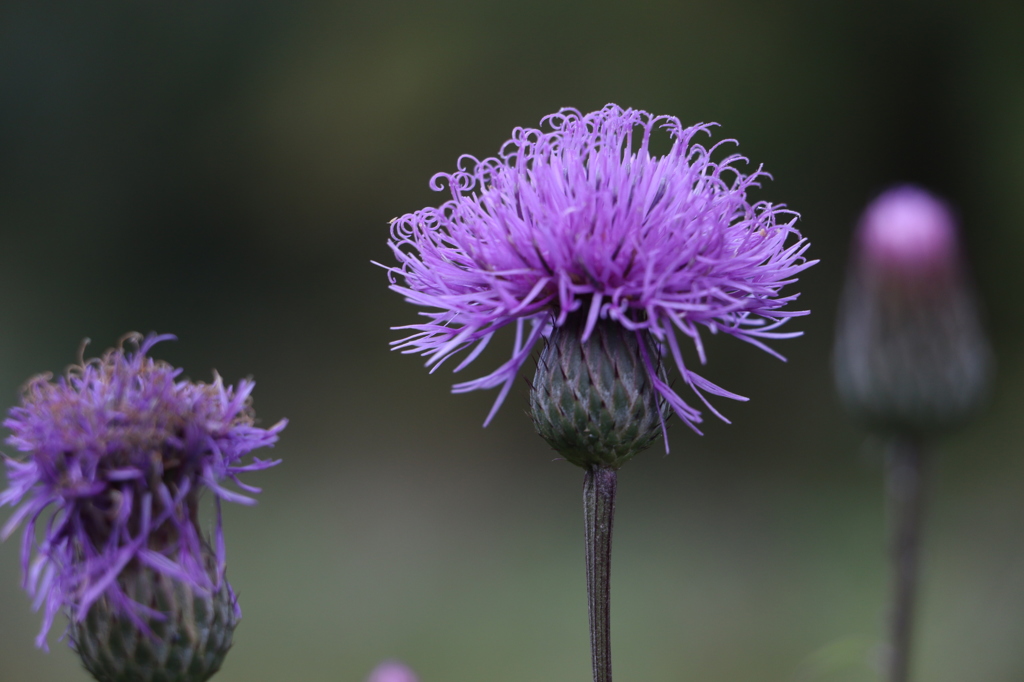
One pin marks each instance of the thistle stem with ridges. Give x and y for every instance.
(905, 499)
(599, 512)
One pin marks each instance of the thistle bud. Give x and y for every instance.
(592, 400)
(392, 671)
(910, 352)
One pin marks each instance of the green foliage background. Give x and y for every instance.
(225, 170)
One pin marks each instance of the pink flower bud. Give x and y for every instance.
(392, 671)
(910, 351)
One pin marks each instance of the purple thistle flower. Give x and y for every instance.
(121, 449)
(580, 216)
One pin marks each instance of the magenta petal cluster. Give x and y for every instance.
(119, 450)
(580, 215)
(908, 231)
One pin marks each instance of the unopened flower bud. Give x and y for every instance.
(592, 400)
(392, 671)
(910, 352)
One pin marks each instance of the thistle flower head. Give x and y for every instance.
(581, 216)
(910, 352)
(120, 449)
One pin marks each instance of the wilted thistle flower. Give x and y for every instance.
(910, 352)
(577, 225)
(121, 450)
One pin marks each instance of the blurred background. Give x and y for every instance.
(225, 170)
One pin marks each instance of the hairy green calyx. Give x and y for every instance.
(188, 645)
(593, 401)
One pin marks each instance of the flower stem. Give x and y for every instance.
(599, 512)
(904, 491)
